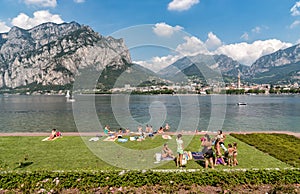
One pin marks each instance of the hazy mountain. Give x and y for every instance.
(197, 66)
(282, 66)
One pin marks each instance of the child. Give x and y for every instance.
(179, 150)
(235, 161)
(230, 155)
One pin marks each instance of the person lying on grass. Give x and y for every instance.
(54, 134)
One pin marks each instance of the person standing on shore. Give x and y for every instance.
(221, 138)
(235, 161)
(179, 142)
(207, 151)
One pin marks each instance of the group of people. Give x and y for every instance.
(214, 151)
(213, 154)
(148, 130)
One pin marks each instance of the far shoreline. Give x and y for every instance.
(93, 134)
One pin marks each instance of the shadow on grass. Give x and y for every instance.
(201, 163)
(23, 165)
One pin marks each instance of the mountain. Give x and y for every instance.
(53, 54)
(200, 65)
(280, 67)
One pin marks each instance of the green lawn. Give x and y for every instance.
(75, 153)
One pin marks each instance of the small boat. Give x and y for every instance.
(241, 103)
(69, 97)
(68, 94)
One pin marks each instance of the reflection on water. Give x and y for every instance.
(42, 113)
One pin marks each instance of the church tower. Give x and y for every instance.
(239, 81)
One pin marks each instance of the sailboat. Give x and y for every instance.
(69, 97)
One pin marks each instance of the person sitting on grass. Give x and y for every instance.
(167, 127)
(167, 152)
(107, 130)
(160, 130)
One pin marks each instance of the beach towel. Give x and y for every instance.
(110, 138)
(198, 155)
(184, 161)
(94, 139)
(167, 159)
(132, 138)
(166, 137)
(122, 140)
(157, 158)
(47, 138)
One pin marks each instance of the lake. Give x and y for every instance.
(184, 112)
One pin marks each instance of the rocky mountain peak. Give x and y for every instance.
(53, 53)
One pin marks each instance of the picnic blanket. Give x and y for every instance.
(166, 137)
(198, 155)
(47, 139)
(110, 138)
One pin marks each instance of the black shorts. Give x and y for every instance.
(209, 154)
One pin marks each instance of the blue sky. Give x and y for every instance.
(241, 29)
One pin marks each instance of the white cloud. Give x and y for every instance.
(245, 36)
(163, 29)
(4, 27)
(158, 63)
(294, 10)
(295, 24)
(39, 17)
(181, 5)
(79, 1)
(212, 42)
(256, 30)
(192, 46)
(41, 3)
(247, 53)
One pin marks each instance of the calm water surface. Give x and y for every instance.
(42, 113)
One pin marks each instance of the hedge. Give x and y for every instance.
(57, 181)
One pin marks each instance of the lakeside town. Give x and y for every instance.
(192, 86)
(196, 87)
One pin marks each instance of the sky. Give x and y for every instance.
(159, 32)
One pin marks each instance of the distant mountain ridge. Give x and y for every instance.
(54, 54)
(280, 67)
(192, 65)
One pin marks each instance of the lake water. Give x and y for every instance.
(89, 113)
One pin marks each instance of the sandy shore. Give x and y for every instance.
(91, 134)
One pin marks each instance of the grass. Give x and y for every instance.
(76, 153)
(281, 146)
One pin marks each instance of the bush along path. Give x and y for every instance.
(47, 181)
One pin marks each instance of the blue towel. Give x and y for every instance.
(197, 155)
